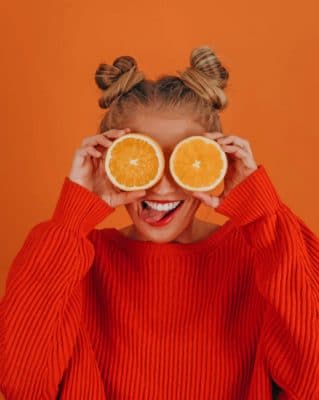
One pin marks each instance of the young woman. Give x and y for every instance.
(181, 310)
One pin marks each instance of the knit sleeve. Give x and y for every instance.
(40, 311)
(285, 255)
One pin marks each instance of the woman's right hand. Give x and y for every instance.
(88, 169)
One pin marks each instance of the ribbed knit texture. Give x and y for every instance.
(90, 314)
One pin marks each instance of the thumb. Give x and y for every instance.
(215, 201)
(210, 201)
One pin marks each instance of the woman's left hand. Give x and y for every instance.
(241, 164)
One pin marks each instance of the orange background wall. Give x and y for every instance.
(51, 49)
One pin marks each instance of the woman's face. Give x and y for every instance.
(167, 129)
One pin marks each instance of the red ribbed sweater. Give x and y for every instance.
(90, 314)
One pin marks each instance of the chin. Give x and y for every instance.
(163, 235)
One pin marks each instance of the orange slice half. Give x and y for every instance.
(134, 161)
(198, 163)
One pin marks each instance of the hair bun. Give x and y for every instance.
(206, 76)
(117, 79)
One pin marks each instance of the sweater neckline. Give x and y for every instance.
(147, 247)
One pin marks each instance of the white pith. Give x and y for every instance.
(162, 206)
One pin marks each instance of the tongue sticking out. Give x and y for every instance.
(150, 215)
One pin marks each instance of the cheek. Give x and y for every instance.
(190, 207)
(193, 203)
(132, 208)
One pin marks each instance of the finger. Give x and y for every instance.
(82, 156)
(236, 150)
(225, 139)
(95, 153)
(89, 150)
(208, 200)
(108, 136)
(102, 148)
(104, 137)
(214, 135)
(236, 140)
(247, 146)
(100, 142)
(96, 139)
(79, 158)
(241, 154)
(103, 141)
(103, 144)
(115, 133)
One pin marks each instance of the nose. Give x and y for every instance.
(164, 186)
(167, 183)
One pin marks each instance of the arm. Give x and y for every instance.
(40, 311)
(286, 259)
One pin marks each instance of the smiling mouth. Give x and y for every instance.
(160, 205)
(158, 213)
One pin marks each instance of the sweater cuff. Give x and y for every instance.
(253, 198)
(78, 208)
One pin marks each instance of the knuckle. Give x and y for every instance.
(85, 140)
(106, 134)
(109, 200)
(111, 131)
(104, 140)
(214, 134)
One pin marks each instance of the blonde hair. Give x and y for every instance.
(197, 91)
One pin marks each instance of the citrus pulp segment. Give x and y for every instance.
(134, 161)
(198, 163)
